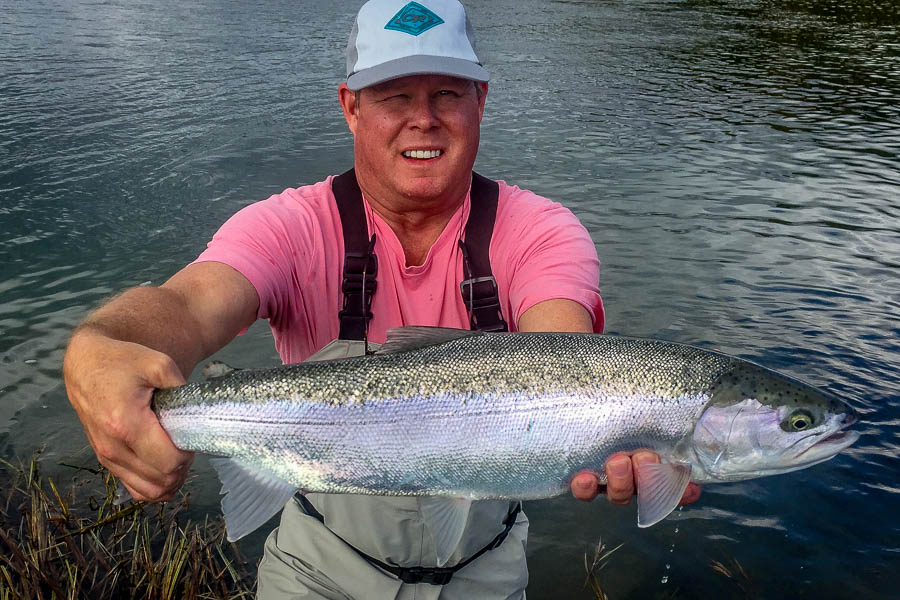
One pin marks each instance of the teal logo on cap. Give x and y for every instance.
(414, 19)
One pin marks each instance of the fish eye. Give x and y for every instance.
(801, 420)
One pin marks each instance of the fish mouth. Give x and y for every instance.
(836, 438)
(828, 446)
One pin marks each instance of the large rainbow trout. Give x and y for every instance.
(457, 414)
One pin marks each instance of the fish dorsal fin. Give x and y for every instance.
(251, 497)
(446, 519)
(660, 487)
(404, 339)
(216, 368)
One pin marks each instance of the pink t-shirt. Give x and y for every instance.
(291, 248)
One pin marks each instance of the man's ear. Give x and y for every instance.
(483, 96)
(347, 98)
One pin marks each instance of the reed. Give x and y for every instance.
(598, 561)
(734, 572)
(55, 547)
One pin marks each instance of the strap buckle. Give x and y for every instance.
(360, 273)
(358, 288)
(482, 299)
(434, 576)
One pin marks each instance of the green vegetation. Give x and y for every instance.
(737, 575)
(597, 563)
(55, 547)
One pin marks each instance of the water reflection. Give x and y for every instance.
(736, 163)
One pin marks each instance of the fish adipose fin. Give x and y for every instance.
(404, 339)
(659, 490)
(446, 519)
(251, 497)
(216, 368)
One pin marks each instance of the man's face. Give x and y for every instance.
(415, 138)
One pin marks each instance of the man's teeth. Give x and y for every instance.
(422, 153)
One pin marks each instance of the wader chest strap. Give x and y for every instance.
(360, 262)
(479, 287)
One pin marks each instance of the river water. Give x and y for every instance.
(736, 162)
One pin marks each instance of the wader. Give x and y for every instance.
(345, 546)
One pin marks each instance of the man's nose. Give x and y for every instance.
(424, 114)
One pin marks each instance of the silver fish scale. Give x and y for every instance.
(485, 416)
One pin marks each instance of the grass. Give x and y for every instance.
(597, 563)
(734, 572)
(55, 546)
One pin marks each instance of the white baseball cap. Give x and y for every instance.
(396, 38)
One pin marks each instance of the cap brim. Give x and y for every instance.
(417, 65)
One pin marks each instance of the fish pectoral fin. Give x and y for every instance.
(250, 496)
(216, 368)
(404, 339)
(659, 490)
(446, 519)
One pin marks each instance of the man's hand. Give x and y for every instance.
(143, 339)
(620, 486)
(110, 383)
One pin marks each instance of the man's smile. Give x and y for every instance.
(422, 154)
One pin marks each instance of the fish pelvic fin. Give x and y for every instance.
(250, 497)
(404, 339)
(659, 490)
(445, 519)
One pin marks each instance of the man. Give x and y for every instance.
(414, 100)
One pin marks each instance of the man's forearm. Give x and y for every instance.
(558, 314)
(195, 313)
(155, 317)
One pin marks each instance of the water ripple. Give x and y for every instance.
(736, 162)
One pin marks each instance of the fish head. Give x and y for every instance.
(758, 422)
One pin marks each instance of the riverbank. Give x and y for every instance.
(72, 541)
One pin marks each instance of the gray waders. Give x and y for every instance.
(346, 546)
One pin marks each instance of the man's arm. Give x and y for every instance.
(146, 338)
(568, 315)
